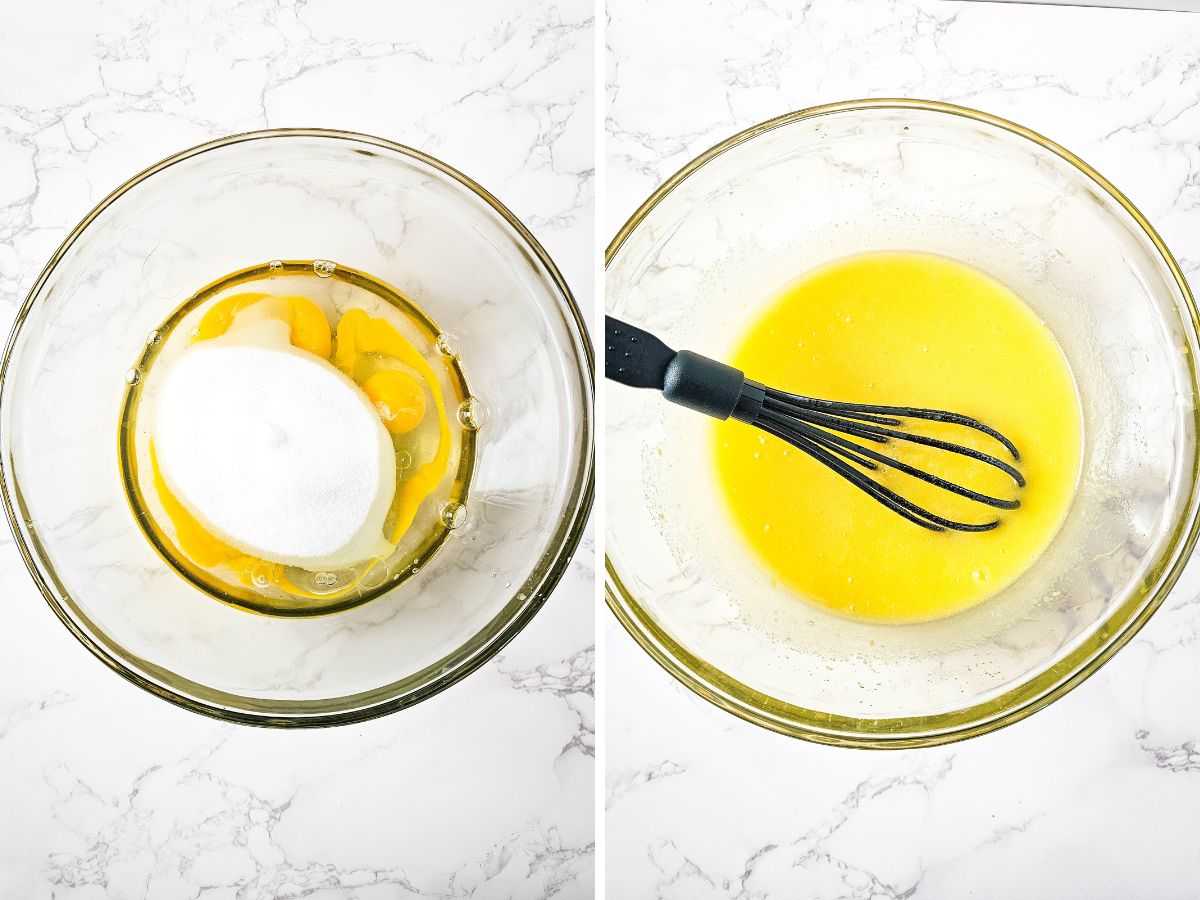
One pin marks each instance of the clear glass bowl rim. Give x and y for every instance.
(920, 731)
(420, 685)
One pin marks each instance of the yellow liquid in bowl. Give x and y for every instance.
(905, 329)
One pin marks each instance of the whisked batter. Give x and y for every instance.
(901, 328)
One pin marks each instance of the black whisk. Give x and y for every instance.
(835, 434)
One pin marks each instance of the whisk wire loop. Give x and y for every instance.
(848, 410)
(823, 430)
(885, 435)
(857, 452)
(889, 498)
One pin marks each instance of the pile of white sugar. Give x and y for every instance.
(274, 450)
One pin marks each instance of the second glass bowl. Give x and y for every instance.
(724, 235)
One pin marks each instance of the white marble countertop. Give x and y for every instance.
(483, 791)
(1096, 797)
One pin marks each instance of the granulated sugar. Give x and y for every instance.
(275, 451)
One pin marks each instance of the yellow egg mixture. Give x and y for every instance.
(903, 329)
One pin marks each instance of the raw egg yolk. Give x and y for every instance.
(399, 397)
(359, 333)
(310, 328)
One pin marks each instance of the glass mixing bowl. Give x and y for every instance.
(724, 235)
(368, 204)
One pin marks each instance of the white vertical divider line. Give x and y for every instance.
(600, 239)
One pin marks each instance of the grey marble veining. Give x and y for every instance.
(483, 791)
(1096, 797)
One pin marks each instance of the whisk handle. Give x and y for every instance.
(634, 357)
(637, 358)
